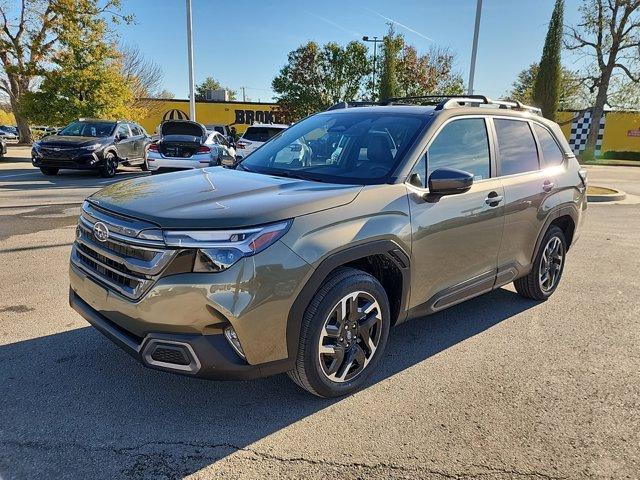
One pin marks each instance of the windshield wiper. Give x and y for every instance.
(288, 174)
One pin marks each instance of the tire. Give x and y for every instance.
(532, 285)
(312, 369)
(109, 165)
(49, 170)
(144, 166)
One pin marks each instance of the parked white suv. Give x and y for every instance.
(256, 135)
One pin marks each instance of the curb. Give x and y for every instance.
(607, 197)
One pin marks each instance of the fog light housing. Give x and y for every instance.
(232, 337)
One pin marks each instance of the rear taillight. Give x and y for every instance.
(242, 145)
(153, 147)
(204, 149)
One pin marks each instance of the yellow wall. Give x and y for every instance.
(6, 118)
(621, 132)
(237, 114)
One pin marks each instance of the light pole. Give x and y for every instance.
(474, 50)
(192, 98)
(375, 42)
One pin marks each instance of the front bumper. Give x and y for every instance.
(209, 356)
(80, 161)
(192, 310)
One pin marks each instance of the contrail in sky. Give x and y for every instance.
(400, 24)
(332, 23)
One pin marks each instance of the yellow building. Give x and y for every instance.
(237, 114)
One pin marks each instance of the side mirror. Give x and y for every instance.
(449, 181)
(227, 161)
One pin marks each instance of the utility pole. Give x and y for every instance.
(192, 98)
(474, 50)
(244, 97)
(375, 42)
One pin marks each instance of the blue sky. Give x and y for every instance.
(245, 42)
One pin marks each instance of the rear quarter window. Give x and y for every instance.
(551, 153)
(518, 152)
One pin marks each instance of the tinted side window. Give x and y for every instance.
(518, 152)
(123, 129)
(551, 153)
(135, 131)
(461, 144)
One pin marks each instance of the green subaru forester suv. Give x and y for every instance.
(303, 256)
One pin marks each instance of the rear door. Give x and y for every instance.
(526, 186)
(137, 141)
(456, 238)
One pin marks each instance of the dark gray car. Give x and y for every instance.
(302, 263)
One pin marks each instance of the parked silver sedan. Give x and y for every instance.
(184, 144)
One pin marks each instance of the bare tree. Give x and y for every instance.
(144, 76)
(609, 34)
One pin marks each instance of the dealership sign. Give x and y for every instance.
(633, 133)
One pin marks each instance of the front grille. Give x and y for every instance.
(122, 263)
(59, 154)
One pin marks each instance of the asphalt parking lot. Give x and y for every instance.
(499, 387)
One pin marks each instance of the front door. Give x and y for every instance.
(124, 144)
(456, 238)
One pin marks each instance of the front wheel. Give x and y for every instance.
(344, 333)
(109, 166)
(544, 277)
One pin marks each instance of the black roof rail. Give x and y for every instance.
(440, 99)
(362, 103)
(443, 102)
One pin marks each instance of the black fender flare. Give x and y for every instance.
(554, 214)
(389, 248)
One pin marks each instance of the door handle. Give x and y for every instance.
(493, 199)
(547, 186)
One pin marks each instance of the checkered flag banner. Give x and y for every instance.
(580, 132)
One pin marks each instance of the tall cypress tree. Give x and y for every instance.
(546, 89)
(391, 46)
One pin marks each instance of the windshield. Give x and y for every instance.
(88, 129)
(355, 148)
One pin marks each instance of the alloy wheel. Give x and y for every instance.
(350, 337)
(551, 264)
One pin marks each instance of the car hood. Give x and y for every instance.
(219, 198)
(68, 141)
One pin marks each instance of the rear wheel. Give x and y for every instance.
(544, 277)
(343, 335)
(144, 166)
(49, 170)
(109, 166)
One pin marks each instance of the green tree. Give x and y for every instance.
(431, 73)
(86, 80)
(211, 83)
(609, 35)
(29, 39)
(392, 44)
(546, 88)
(571, 94)
(314, 78)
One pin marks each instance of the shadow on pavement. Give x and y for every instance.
(75, 405)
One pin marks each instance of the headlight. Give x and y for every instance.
(35, 146)
(93, 147)
(219, 249)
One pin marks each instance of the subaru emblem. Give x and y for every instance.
(100, 231)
